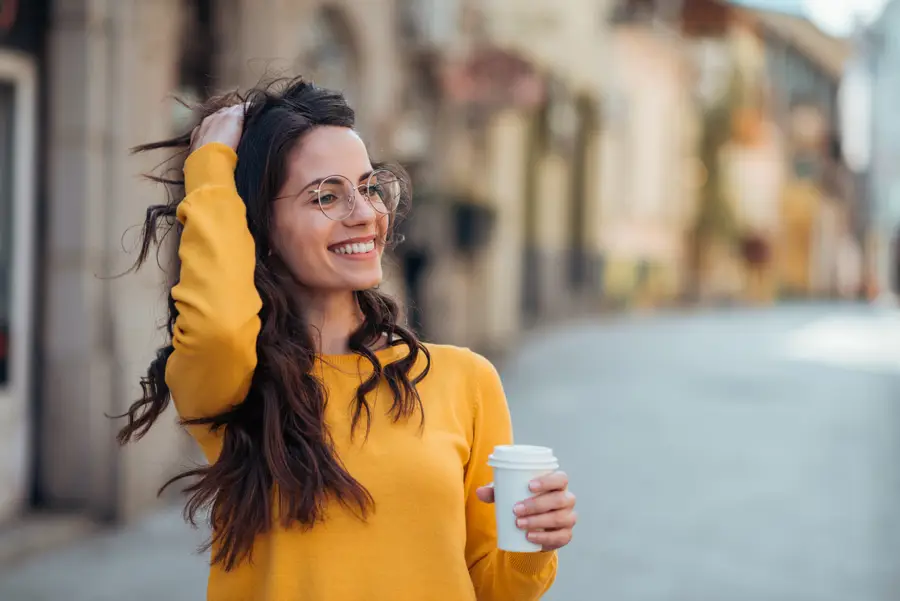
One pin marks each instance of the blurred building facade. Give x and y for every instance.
(650, 154)
(512, 163)
(768, 199)
(562, 258)
(821, 205)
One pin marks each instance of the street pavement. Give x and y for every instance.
(717, 456)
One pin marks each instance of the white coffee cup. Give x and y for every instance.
(515, 466)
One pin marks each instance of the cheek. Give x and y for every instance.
(298, 238)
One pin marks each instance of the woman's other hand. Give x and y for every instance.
(549, 516)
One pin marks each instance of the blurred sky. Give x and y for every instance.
(834, 16)
(837, 16)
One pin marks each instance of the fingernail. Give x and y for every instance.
(534, 485)
(530, 536)
(519, 509)
(521, 522)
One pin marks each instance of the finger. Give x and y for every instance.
(486, 493)
(551, 501)
(551, 481)
(241, 111)
(237, 109)
(551, 541)
(560, 519)
(200, 131)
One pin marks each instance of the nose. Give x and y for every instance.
(363, 213)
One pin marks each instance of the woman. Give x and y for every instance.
(347, 459)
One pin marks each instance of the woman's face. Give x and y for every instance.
(324, 254)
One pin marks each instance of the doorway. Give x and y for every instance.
(18, 105)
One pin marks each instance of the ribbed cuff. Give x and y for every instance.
(529, 563)
(211, 164)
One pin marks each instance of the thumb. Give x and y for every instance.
(486, 493)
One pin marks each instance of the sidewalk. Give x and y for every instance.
(150, 560)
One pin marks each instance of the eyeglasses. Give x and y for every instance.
(336, 194)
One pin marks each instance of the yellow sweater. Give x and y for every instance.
(429, 537)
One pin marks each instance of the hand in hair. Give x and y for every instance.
(224, 126)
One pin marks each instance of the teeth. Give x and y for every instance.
(355, 248)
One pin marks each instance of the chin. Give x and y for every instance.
(358, 284)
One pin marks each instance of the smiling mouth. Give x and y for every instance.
(354, 248)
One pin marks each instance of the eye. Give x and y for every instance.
(327, 198)
(375, 190)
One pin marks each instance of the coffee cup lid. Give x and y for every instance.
(523, 456)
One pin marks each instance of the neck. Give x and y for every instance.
(332, 318)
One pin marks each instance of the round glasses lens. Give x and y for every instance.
(336, 197)
(383, 190)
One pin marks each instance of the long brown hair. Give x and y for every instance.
(277, 438)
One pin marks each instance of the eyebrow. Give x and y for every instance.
(318, 181)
